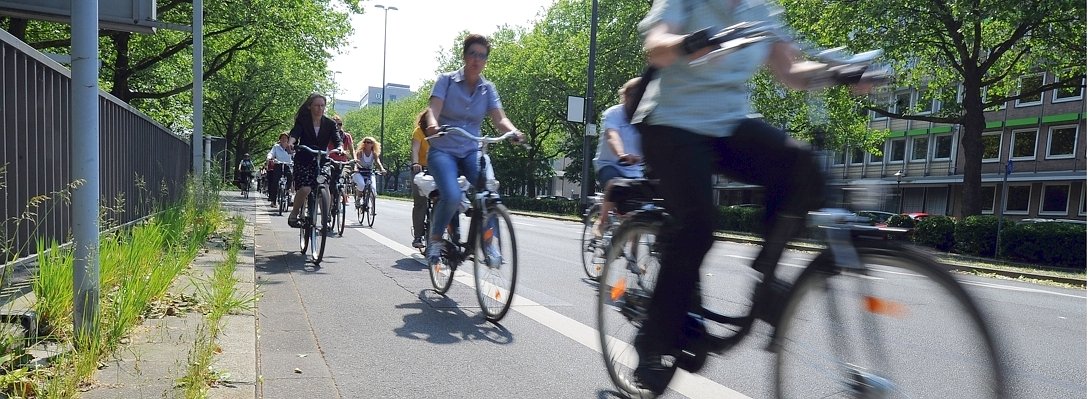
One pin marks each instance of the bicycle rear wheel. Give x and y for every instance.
(358, 201)
(591, 247)
(369, 199)
(901, 327)
(339, 218)
(625, 287)
(282, 201)
(496, 263)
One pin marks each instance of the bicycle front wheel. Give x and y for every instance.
(369, 199)
(305, 227)
(900, 327)
(496, 262)
(358, 201)
(625, 288)
(319, 232)
(443, 273)
(591, 247)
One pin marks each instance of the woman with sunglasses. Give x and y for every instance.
(460, 98)
(367, 159)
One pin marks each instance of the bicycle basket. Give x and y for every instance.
(425, 183)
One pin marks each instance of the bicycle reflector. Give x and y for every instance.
(884, 307)
(617, 290)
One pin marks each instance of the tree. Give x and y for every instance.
(936, 45)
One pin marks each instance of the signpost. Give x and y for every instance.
(1000, 212)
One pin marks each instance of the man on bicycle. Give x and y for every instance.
(695, 117)
(313, 129)
(346, 140)
(278, 161)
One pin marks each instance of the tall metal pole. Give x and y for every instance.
(382, 105)
(85, 165)
(586, 185)
(198, 86)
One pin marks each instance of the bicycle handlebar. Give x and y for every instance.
(445, 129)
(320, 152)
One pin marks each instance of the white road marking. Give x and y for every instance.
(690, 385)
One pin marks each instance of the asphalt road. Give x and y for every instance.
(366, 324)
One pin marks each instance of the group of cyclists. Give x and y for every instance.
(665, 121)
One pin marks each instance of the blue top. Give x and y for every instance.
(615, 118)
(711, 98)
(463, 109)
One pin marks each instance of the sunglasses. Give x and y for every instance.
(480, 56)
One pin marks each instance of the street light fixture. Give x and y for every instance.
(899, 175)
(382, 104)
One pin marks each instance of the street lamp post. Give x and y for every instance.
(586, 184)
(899, 175)
(334, 96)
(382, 104)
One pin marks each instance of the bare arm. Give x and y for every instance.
(500, 121)
(435, 106)
(613, 139)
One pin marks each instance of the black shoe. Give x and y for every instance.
(293, 222)
(654, 372)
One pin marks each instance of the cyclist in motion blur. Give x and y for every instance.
(692, 140)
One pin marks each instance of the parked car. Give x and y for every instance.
(877, 218)
(552, 197)
(1041, 220)
(918, 216)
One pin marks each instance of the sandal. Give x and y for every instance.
(293, 221)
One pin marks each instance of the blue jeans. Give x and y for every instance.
(445, 169)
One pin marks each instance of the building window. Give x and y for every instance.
(927, 104)
(880, 100)
(897, 151)
(1083, 202)
(856, 157)
(1068, 93)
(1018, 201)
(903, 102)
(1054, 199)
(988, 199)
(1029, 93)
(1023, 144)
(943, 147)
(992, 146)
(920, 149)
(873, 158)
(839, 158)
(1062, 142)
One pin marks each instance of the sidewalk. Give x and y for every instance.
(156, 357)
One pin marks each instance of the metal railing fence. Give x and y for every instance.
(143, 166)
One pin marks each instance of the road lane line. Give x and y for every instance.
(688, 384)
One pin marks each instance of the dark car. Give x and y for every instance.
(876, 218)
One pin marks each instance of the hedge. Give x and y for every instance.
(936, 232)
(976, 235)
(1058, 244)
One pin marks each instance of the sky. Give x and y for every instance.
(415, 32)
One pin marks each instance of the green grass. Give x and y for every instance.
(218, 293)
(137, 265)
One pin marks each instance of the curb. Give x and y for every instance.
(1081, 282)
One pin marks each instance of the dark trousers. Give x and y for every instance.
(273, 177)
(420, 208)
(755, 153)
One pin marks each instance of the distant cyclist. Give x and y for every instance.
(245, 171)
(278, 161)
(696, 118)
(346, 140)
(313, 129)
(619, 151)
(367, 161)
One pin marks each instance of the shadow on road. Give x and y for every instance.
(441, 321)
(606, 394)
(410, 264)
(284, 263)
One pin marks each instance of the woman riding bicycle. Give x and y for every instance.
(619, 150)
(367, 161)
(693, 140)
(313, 129)
(460, 98)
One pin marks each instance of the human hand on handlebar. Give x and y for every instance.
(629, 159)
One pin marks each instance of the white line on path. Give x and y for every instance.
(690, 385)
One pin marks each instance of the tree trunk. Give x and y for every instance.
(120, 87)
(18, 27)
(973, 124)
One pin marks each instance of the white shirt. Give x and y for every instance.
(279, 153)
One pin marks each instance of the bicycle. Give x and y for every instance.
(283, 187)
(312, 232)
(886, 293)
(491, 237)
(339, 210)
(592, 245)
(244, 184)
(365, 199)
(427, 188)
